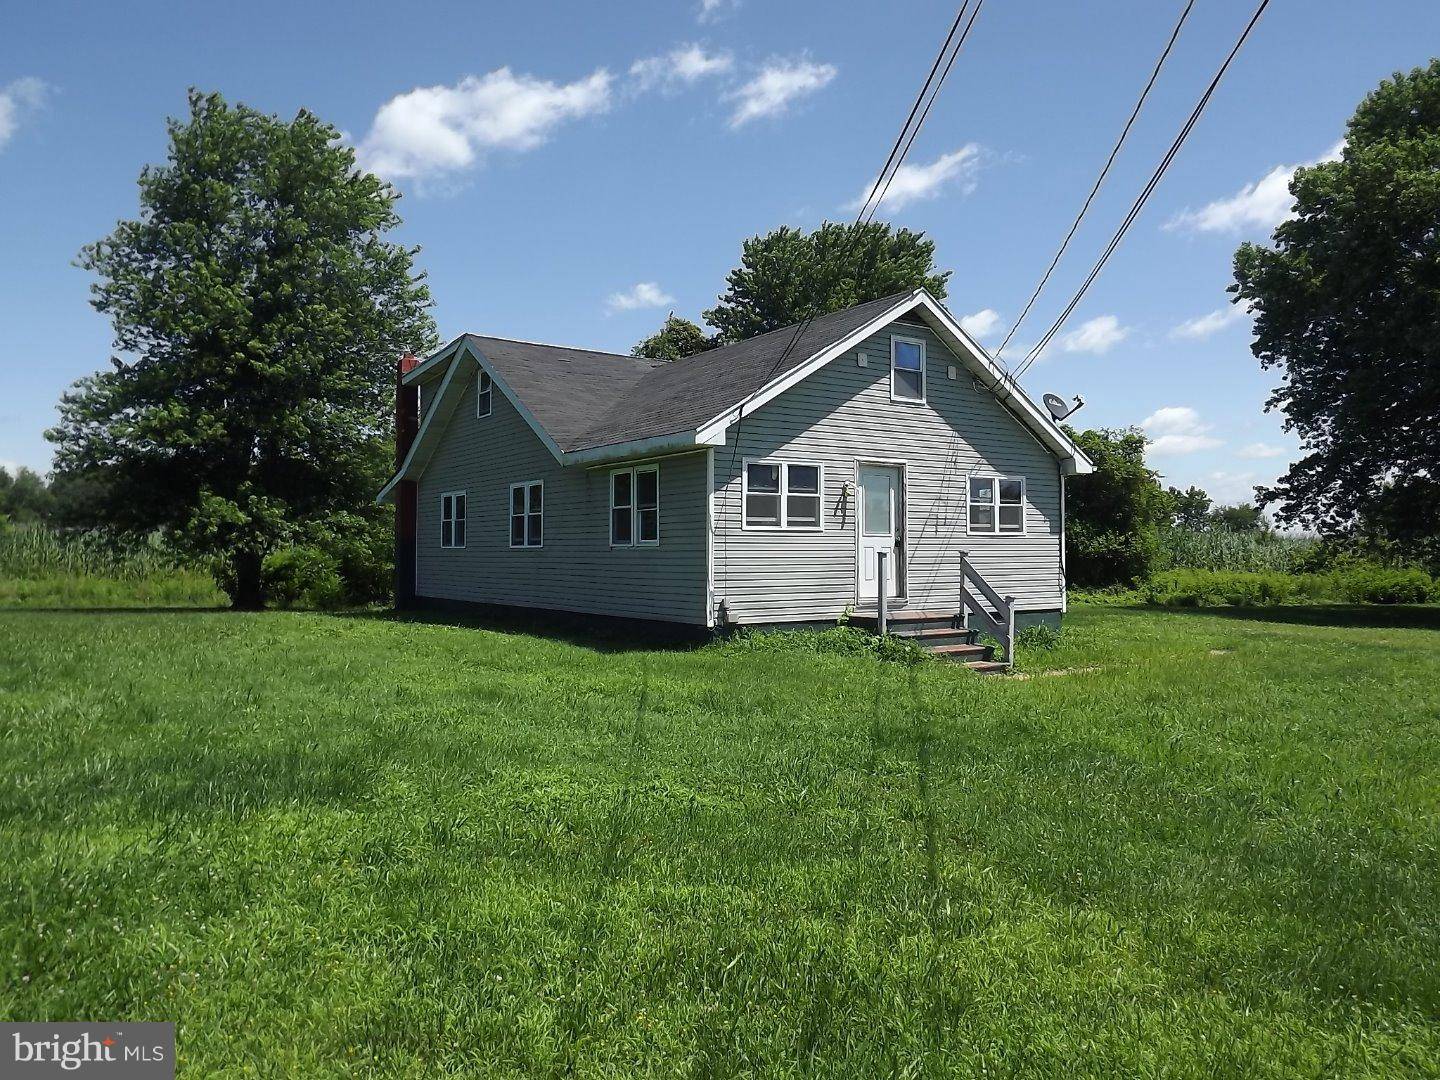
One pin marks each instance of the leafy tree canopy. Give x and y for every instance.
(259, 310)
(677, 339)
(1113, 515)
(790, 275)
(1347, 307)
(25, 498)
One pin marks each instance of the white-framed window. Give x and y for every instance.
(484, 393)
(784, 495)
(452, 519)
(997, 504)
(635, 507)
(907, 369)
(527, 514)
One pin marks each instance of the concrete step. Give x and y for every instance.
(985, 667)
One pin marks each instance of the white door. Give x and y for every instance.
(880, 530)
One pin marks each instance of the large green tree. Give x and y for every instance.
(1347, 305)
(1113, 515)
(258, 309)
(677, 339)
(789, 275)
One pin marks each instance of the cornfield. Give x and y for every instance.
(1185, 549)
(35, 552)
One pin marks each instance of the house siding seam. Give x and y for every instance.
(576, 569)
(843, 413)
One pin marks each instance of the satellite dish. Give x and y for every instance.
(1059, 410)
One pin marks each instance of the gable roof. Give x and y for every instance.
(586, 405)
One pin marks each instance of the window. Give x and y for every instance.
(483, 394)
(635, 506)
(527, 513)
(907, 369)
(783, 495)
(452, 519)
(997, 505)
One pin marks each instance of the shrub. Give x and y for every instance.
(839, 640)
(1214, 588)
(1039, 636)
(1378, 585)
(303, 576)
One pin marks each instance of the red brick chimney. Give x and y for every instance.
(407, 493)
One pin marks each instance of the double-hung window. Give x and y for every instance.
(997, 505)
(484, 392)
(452, 519)
(907, 369)
(783, 495)
(635, 507)
(527, 512)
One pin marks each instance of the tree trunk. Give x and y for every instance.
(248, 592)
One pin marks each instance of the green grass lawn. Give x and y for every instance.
(332, 846)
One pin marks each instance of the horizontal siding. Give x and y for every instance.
(843, 413)
(576, 570)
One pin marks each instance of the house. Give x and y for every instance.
(753, 484)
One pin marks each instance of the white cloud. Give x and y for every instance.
(434, 130)
(1261, 450)
(19, 100)
(912, 182)
(778, 85)
(1259, 205)
(1098, 335)
(646, 294)
(711, 10)
(982, 324)
(1228, 488)
(1203, 326)
(1177, 429)
(681, 66)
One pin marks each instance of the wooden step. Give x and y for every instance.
(963, 652)
(869, 614)
(924, 632)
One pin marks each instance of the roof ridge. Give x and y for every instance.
(892, 298)
(569, 348)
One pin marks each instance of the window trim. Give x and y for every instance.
(784, 494)
(634, 471)
(924, 363)
(489, 392)
(450, 495)
(510, 515)
(994, 504)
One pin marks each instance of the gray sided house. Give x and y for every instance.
(754, 484)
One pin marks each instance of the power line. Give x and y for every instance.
(893, 162)
(1099, 180)
(1144, 195)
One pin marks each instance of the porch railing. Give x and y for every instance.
(998, 619)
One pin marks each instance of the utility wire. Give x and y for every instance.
(1099, 180)
(893, 162)
(1144, 195)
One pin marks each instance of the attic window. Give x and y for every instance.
(483, 388)
(907, 369)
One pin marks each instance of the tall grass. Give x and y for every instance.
(1220, 549)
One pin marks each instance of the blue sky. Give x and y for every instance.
(574, 171)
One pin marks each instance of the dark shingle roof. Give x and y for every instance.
(586, 399)
(681, 396)
(566, 389)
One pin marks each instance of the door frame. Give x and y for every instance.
(902, 572)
